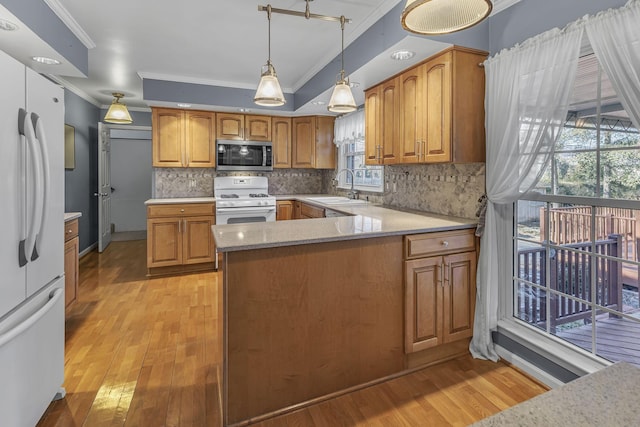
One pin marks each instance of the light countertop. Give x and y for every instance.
(605, 398)
(69, 216)
(364, 221)
(180, 200)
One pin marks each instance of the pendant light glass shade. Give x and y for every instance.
(118, 112)
(269, 93)
(443, 16)
(342, 100)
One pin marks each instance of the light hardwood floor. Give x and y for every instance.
(142, 352)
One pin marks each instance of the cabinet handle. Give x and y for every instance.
(444, 243)
(179, 226)
(69, 231)
(181, 210)
(446, 272)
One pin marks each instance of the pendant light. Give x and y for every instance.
(118, 112)
(269, 93)
(433, 17)
(342, 99)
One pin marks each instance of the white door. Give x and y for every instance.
(104, 187)
(12, 191)
(45, 103)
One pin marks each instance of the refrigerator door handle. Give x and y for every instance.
(44, 188)
(33, 319)
(34, 196)
(23, 125)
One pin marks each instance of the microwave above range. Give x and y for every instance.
(235, 155)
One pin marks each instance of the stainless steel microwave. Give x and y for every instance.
(243, 155)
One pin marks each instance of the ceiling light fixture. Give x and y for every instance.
(45, 60)
(118, 112)
(434, 17)
(402, 55)
(7, 25)
(342, 99)
(269, 93)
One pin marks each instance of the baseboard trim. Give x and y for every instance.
(91, 248)
(529, 368)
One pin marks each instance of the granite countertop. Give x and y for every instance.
(605, 398)
(363, 221)
(180, 200)
(68, 216)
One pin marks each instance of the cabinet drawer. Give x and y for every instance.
(441, 243)
(187, 209)
(308, 211)
(70, 229)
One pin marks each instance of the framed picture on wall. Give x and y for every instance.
(69, 147)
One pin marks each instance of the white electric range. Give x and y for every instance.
(241, 199)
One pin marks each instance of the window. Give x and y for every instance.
(577, 236)
(349, 136)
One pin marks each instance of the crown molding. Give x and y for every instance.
(500, 5)
(70, 22)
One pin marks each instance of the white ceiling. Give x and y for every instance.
(219, 43)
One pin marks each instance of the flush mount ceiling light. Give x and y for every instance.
(402, 55)
(45, 60)
(269, 93)
(434, 17)
(342, 99)
(118, 112)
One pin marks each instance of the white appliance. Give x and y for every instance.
(241, 199)
(32, 244)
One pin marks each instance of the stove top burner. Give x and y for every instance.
(229, 196)
(258, 195)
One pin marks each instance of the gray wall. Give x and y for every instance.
(82, 182)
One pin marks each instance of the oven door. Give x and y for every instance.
(244, 215)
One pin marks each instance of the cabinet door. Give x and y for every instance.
(258, 128)
(230, 126)
(281, 127)
(325, 156)
(423, 302)
(373, 127)
(71, 270)
(201, 152)
(304, 142)
(411, 115)
(168, 138)
(389, 121)
(437, 145)
(198, 244)
(459, 296)
(284, 210)
(164, 242)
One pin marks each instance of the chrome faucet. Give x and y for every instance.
(352, 194)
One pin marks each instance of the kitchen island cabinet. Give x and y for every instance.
(313, 308)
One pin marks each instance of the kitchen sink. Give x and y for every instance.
(336, 200)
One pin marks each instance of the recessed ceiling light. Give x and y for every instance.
(45, 60)
(7, 25)
(402, 55)
(244, 110)
(354, 84)
(319, 103)
(184, 105)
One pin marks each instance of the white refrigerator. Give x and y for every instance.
(31, 243)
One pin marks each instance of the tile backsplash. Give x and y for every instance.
(448, 189)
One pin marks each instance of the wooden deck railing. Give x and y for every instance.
(570, 273)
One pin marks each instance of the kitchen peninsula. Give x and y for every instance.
(316, 307)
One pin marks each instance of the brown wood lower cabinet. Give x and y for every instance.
(71, 262)
(439, 289)
(284, 210)
(179, 238)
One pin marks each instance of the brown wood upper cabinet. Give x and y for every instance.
(243, 127)
(440, 112)
(281, 127)
(313, 142)
(382, 111)
(183, 138)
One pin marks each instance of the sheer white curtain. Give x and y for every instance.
(526, 103)
(615, 38)
(349, 129)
